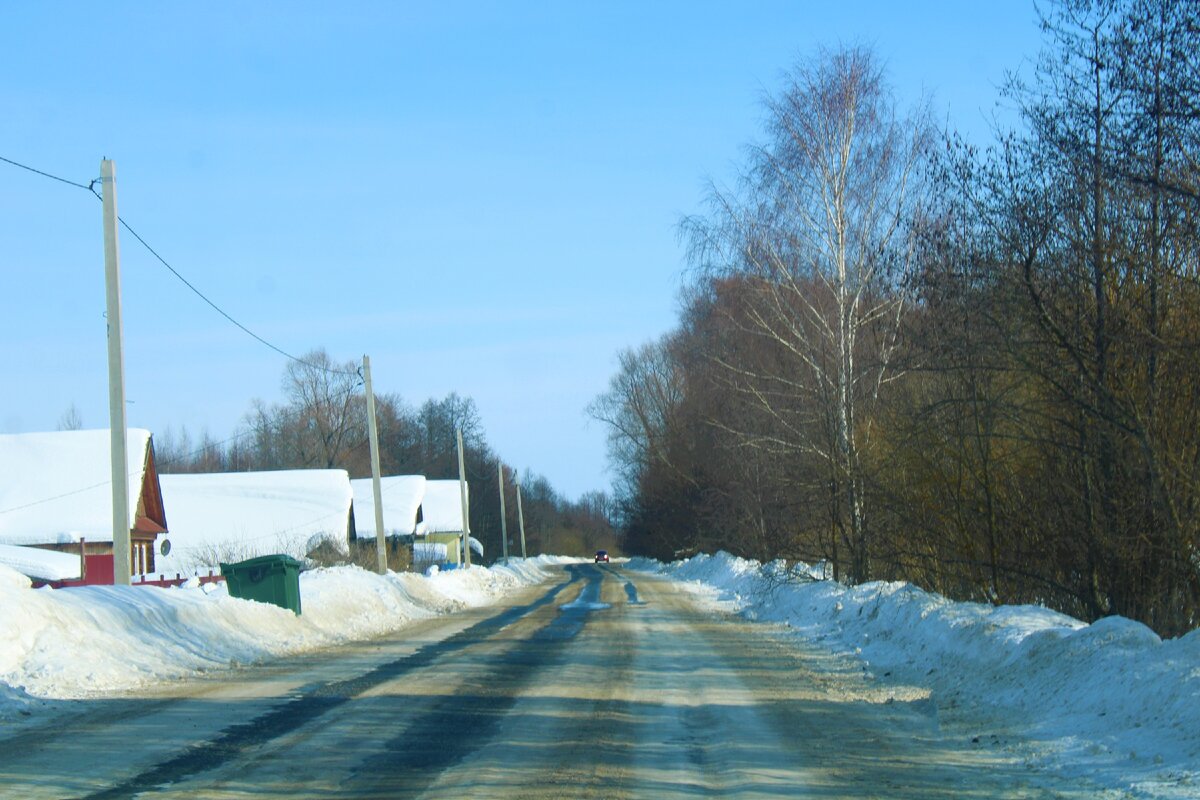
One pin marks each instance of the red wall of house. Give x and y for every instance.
(98, 570)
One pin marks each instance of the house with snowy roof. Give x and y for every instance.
(401, 495)
(427, 512)
(232, 516)
(56, 495)
(442, 519)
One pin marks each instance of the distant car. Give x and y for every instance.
(601, 556)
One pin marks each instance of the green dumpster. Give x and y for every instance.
(267, 579)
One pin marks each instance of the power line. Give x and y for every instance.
(91, 187)
(290, 414)
(57, 496)
(167, 462)
(47, 174)
(221, 311)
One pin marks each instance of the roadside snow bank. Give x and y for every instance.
(78, 642)
(1110, 699)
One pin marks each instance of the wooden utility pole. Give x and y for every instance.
(462, 492)
(116, 377)
(503, 521)
(373, 435)
(520, 514)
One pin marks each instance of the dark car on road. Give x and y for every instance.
(601, 556)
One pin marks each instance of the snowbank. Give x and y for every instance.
(1110, 699)
(78, 642)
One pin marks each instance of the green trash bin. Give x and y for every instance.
(267, 579)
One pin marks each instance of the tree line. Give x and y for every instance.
(321, 423)
(912, 358)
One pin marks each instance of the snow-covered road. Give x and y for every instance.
(600, 682)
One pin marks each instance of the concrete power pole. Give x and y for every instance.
(116, 377)
(373, 435)
(503, 521)
(520, 514)
(462, 491)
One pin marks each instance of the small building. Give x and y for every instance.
(442, 519)
(232, 516)
(56, 494)
(401, 495)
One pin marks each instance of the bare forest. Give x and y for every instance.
(916, 359)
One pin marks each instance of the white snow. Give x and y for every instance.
(1110, 700)
(401, 495)
(93, 640)
(56, 487)
(45, 564)
(232, 516)
(441, 507)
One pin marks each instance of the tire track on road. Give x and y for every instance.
(434, 742)
(312, 704)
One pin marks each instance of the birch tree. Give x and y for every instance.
(819, 225)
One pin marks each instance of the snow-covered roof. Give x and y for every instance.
(442, 507)
(231, 516)
(48, 565)
(56, 487)
(402, 495)
(476, 545)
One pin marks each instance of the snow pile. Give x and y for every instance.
(1108, 699)
(84, 641)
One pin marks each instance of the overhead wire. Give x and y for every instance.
(168, 462)
(91, 188)
(47, 174)
(271, 534)
(71, 493)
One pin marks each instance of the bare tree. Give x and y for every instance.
(637, 408)
(819, 228)
(70, 420)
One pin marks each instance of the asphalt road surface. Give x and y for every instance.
(603, 683)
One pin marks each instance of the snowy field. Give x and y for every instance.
(92, 640)
(1109, 700)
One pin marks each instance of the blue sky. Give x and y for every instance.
(482, 196)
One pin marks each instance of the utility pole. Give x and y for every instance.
(373, 435)
(503, 521)
(116, 377)
(520, 514)
(462, 492)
